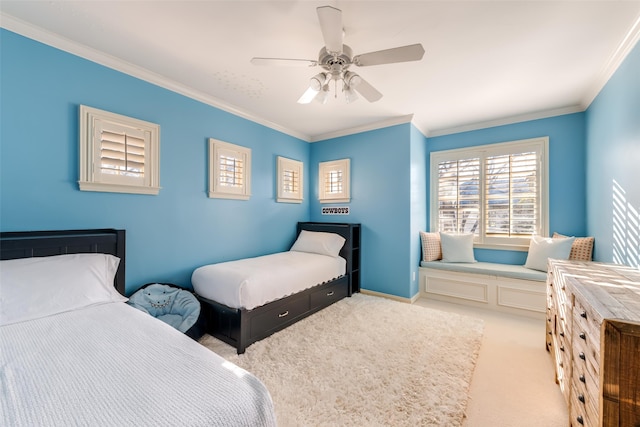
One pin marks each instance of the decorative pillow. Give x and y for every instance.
(43, 286)
(457, 247)
(543, 248)
(431, 248)
(174, 306)
(318, 242)
(582, 248)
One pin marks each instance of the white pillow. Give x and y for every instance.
(43, 286)
(457, 247)
(543, 248)
(318, 242)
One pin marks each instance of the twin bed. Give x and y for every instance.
(247, 300)
(74, 353)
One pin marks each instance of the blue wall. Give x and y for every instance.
(380, 194)
(613, 166)
(167, 235)
(419, 203)
(594, 173)
(567, 156)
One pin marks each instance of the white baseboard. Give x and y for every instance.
(389, 296)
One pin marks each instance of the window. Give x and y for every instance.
(290, 181)
(118, 153)
(498, 192)
(229, 170)
(333, 181)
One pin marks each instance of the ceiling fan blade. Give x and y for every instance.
(412, 52)
(284, 62)
(370, 93)
(331, 26)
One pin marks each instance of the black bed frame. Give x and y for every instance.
(27, 244)
(241, 328)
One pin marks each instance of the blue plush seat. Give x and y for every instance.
(174, 306)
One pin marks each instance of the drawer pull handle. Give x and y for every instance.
(581, 398)
(583, 336)
(562, 334)
(286, 313)
(580, 419)
(582, 356)
(562, 348)
(583, 314)
(329, 293)
(582, 379)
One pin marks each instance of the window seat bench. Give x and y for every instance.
(502, 287)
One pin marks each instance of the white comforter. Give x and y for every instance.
(252, 282)
(113, 365)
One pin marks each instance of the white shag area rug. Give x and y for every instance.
(366, 361)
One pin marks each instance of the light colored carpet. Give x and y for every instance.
(369, 361)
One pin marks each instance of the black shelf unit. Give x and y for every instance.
(350, 254)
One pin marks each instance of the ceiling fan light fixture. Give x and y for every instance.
(315, 86)
(349, 94)
(318, 81)
(351, 79)
(323, 96)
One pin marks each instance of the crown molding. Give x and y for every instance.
(544, 114)
(614, 61)
(54, 40)
(364, 128)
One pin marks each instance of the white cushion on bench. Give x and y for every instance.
(489, 268)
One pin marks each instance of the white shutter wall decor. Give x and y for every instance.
(334, 181)
(229, 171)
(289, 181)
(118, 153)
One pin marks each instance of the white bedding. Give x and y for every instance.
(252, 282)
(113, 365)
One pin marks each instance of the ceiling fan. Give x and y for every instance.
(335, 58)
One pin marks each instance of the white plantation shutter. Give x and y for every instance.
(118, 153)
(498, 192)
(289, 181)
(334, 181)
(229, 170)
(459, 195)
(122, 151)
(511, 194)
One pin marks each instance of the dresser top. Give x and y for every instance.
(612, 290)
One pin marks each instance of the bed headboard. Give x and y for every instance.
(27, 244)
(351, 249)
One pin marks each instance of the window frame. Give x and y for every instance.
(297, 167)
(341, 166)
(217, 188)
(92, 121)
(521, 243)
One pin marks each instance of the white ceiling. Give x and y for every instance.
(486, 62)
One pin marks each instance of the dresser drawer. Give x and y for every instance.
(582, 415)
(585, 360)
(585, 322)
(329, 295)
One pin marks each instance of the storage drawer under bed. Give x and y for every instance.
(279, 316)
